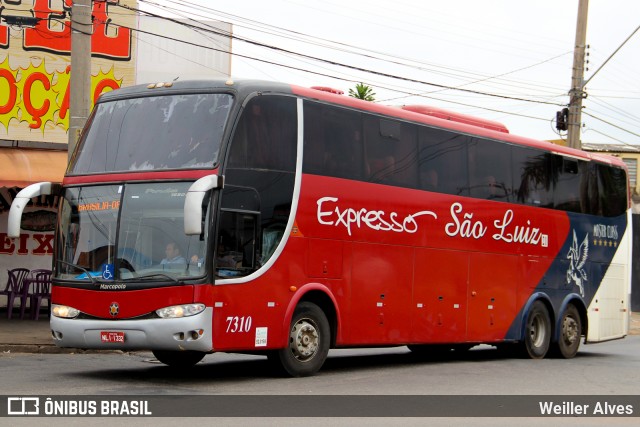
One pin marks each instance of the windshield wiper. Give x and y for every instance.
(84, 270)
(155, 275)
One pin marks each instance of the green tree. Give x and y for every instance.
(363, 91)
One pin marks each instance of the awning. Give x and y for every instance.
(20, 167)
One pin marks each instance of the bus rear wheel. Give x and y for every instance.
(537, 334)
(570, 333)
(179, 359)
(309, 339)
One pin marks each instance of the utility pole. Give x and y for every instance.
(80, 79)
(577, 93)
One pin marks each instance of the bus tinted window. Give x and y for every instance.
(265, 137)
(589, 197)
(346, 144)
(532, 177)
(612, 190)
(154, 133)
(333, 141)
(489, 175)
(442, 161)
(390, 151)
(259, 182)
(568, 174)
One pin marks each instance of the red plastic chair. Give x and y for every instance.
(41, 291)
(17, 289)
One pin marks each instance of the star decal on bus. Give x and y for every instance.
(114, 309)
(578, 258)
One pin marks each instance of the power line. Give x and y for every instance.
(503, 74)
(326, 61)
(611, 137)
(618, 111)
(331, 44)
(611, 124)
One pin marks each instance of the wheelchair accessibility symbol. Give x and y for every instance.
(107, 272)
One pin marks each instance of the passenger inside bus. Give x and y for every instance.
(173, 255)
(381, 169)
(225, 258)
(493, 189)
(271, 237)
(429, 180)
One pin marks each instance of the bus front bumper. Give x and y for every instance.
(185, 333)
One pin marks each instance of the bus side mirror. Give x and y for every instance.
(193, 202)
(22, 199)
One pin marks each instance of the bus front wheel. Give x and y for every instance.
(179, 359)
(309, 338)
(537, 334)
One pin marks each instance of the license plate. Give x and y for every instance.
(115, 337)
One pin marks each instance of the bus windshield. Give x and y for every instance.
(127, 232)
(153, 133)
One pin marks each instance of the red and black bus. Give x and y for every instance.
(251, 216)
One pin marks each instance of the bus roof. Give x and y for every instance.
(432, 116)
(456, 117)
(458, 122)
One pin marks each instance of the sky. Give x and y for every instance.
(503, 60)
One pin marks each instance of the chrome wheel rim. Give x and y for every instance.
(569, 330)
(304, 340)
(537, 331)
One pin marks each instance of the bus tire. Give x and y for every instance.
(179, 359)
(570, 334)
(309, 339)
(537, 333)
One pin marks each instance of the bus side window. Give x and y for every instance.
(489, 178)
(531, 177)
(271, 237)
(442, 161)
(612, 189)
(332, 141)
(390, 151)
(259, 180)
(570, 174)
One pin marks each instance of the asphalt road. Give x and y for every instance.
(603, 369)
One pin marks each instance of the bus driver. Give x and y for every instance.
(173, 255)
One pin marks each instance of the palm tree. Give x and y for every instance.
(363, 91)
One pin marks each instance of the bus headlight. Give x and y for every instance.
(64, 311)
(180, 311)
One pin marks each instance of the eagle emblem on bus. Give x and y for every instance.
(577, 257)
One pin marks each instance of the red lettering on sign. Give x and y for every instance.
(4, 37)
(102, 85)
(36, 113)
(45, 244)
(110, 41)
(52, 32)
(6, 244)
(22, 248)
(37, 99)
(65, 100)
(13, 91)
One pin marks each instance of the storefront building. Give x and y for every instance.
(34, 109)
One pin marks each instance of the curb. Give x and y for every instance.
(50, 349)
(35, 348)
